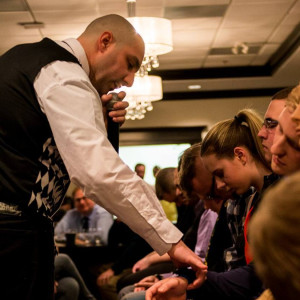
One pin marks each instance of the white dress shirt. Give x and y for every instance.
(74, 111)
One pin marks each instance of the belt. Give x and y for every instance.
(10, 209)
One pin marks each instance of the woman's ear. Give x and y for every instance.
(241, 154)
(104, 41)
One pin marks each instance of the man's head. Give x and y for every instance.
(267, 131)
(165, 186)
(114, 51)
(140, 170)
(285, 152)
(83, 204)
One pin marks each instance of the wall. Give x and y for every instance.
(196, 112)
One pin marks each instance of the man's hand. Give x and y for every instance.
(182, 256)
(104, 277)
(168, 289)
(119, 109)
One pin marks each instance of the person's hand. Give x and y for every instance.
(145, 283)
(104, 277)
(119, 109)
(168, 289)
(182, 256)
(141, 264)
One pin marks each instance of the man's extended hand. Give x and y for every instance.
(119, 109)
(182, 256)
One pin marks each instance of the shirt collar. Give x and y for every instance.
(74, 47)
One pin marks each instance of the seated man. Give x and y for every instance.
(86, 217)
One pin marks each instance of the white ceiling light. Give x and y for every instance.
(157, 35)
(144, 90)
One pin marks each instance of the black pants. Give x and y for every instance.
(26, 258)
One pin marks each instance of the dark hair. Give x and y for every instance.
(138, 165)
(186, 171)
(164, 182)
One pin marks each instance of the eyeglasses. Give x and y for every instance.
(270, 123)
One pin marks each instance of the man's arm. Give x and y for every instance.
(74, 111)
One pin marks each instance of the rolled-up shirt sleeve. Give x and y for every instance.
(74, 111)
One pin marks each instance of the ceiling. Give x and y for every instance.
(204, 32)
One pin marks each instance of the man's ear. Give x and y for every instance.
(104, 41)
(241, 154)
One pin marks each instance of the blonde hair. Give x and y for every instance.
(275, 240)
(293, 98)
(241, 130)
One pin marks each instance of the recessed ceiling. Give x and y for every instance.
(204, 33)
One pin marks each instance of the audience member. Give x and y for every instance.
(86, 219)
(275, 239)
(140, 170)
(169, 205)
(69, 285)
(285, 150)
(270, 123)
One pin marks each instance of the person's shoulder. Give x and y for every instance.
(100, 209)
(71, 213)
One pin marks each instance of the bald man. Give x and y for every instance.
(52, 130)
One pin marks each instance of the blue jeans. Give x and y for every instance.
(26, 258)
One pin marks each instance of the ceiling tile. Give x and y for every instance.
(64, 17)
(193, 38)
(255, 14)
(229, 36)
(73, 30)
(54, 5)
(152, 11)
(12, 5)
(9, 25)
(196, 23)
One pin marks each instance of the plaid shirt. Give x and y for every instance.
(234, 256)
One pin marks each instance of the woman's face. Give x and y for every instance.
(230, 175)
